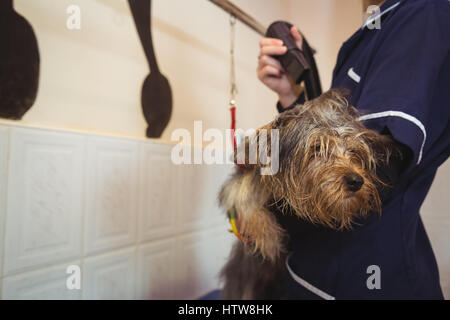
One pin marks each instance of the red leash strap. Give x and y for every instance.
(233, 136)
(233, 125)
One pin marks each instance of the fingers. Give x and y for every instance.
(270, 42)
(268, 66)
(272, 50)
(271, 46)
(268, 60)
(297, 36)
(269, 71)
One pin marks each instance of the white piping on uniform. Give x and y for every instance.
(379, 15)
(307, 285)
(403, 116)
(352, 74)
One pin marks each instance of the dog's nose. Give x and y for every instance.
(354, 181)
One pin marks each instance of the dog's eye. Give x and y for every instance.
(350, 151)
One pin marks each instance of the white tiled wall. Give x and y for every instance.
(138, 226)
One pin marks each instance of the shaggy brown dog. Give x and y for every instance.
(326, 175)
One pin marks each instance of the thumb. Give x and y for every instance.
(297, 36)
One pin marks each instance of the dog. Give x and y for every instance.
(326, 176)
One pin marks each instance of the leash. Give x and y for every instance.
(233, 88)
(232, 105)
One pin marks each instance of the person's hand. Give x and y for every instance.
(270, 71)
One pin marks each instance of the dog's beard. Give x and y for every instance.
(320, 195)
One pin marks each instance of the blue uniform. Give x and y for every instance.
(399, 77)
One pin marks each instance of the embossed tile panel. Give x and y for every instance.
(199, 188)
(46, 284)
(111, 194)
(110, 276)
(156, 270)
(44, 206)
(199, 258)
(158, 183)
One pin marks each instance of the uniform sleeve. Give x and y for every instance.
(398, 89)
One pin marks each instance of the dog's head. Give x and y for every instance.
(327, 161)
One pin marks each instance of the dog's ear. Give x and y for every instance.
(382, 146)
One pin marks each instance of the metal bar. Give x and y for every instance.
(244, 17)
(241, 15)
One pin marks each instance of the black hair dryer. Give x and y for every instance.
(299, 64)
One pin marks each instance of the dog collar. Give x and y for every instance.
(232, 215)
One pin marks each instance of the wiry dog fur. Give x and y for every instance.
(324, 154)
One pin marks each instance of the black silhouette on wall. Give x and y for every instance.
(19, 63)
(156, 96)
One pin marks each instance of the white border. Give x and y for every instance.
(370, 20)
(402, 115)
(307, 285)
